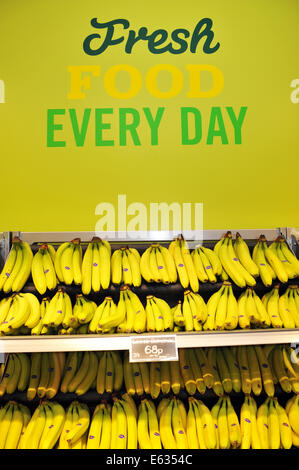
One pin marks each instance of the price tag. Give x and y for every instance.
(153, 348)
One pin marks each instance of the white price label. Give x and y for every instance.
(153, 348)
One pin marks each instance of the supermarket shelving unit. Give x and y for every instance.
(171, 293)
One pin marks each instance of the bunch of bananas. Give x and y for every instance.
(110, 372)
(99, 433)
(266, 426)
(14, 419)
(130, 312)
(148, 432)
(283, 310)
(184, 263)
(289, 260)
(285, 369)
(172, 418)
(222, 309)
(45, 426)
(96, 266)
(157, 265)
(270, 265)
(43, 269)
(191, 313)
(59, 311)
(39, 328)
(68, 262)
(236, 268)
(17, 268)
(15, 374)
(292, 410)
(19, 310)
(83, 311)
(75, 428)
(45, 373)
(159, 316)
(207, 264)
(226, 424)
(80, 372)
(123, 424)
(196, 371)
(253, 312)
(125, 267)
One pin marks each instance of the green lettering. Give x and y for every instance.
(154, 123)
(186, 139)
(124, 127)
(100, 126)
(237, 122)
(79, 135)
(216, 115)
(52, 127)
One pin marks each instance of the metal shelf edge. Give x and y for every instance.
(122, 342)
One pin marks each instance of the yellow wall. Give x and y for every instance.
(248, 185)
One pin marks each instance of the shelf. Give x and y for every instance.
(17, 344)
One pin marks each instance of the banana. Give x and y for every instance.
(134, 264)
(196, 371)
(96, 428)
(254, 370)
(187, 313)
(155, 379)
(264, 268)
(234, 428)
(121, 437)
(221, 310)
(37, 272)
(223, 429)
(212, 304)
(191, 428)
(77, 261)
(209, 431)
(179, 431)
(207, 265)
(35, 310)
(165, 424)
(116, 267)
(87, 269)
(71, 366)
(279, 369)
(243, 253)
(25, 269)
(163, 273)
(284, 426)
(232, 313)
(205, 366)
(188, 261)
(9, 263)
(81, 373)
(96, 267)
(128, 375)
(143, 433)
(245, 424)
(244, 369)
(24, 373)
(293, 415)
(13, 381)
(266, 372)
(274, 261)
(118, 370)
(165, 377)
(273, 425)
(217, 384)
(175, 374)
(230, 263)
(169, 264)
(5, 424)
(199, 269)
(180, 265)
(186, 372)
(224, 372)
(255, 439)
(145, 267)
(131, 425)
(81, 425)
(105, 260)
(244, 321)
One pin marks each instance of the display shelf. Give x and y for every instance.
(114, 342)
